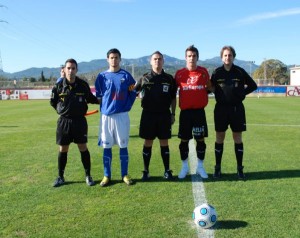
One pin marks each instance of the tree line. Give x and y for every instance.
(271, 69)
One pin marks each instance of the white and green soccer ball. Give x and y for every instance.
(205, 215)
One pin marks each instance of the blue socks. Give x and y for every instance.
(124, 161)
(107, 158)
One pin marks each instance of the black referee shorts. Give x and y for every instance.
(155, 124)
(71, 130)
(228, 115)
(192, 123)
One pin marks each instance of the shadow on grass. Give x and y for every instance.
(119, 181)
(156, 179)
(266, 175)
(97, 182)
(72, 182)
(230, 224)
(263, 175)
(8, 126)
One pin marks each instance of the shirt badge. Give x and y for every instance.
(165, 88)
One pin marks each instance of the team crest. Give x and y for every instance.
(165, 88)
(236, 82)
(192, 80)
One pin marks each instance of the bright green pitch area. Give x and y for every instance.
(265, 205)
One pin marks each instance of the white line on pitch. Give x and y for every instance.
(275, 125)
(198, 188)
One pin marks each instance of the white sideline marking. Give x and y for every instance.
(248, 124)
(275, 125)
(19, 128)
(198, 188)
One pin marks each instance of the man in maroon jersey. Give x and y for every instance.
(193, 98)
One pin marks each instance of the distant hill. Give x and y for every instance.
(95, 66)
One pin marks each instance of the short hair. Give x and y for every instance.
(113, 51)
(193, 49)
(158, 53)
(72, 61)
(230, 48)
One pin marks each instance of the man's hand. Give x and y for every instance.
(131, 87)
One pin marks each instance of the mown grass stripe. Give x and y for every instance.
(198, 188)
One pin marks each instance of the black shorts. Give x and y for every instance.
(71, 130)
(192, 123)
(155, 124)
(225, 115)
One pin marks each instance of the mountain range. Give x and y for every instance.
(97, 65)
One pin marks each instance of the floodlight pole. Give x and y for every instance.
(265, 69)
(1, 67)
(250, 64)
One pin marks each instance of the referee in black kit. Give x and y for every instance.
(158, 90)
(230, 84)
(69, 98)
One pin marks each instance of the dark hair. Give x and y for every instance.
(193, 49)
(72, 61)
(230, 48)
(158, 53)
(113, 51)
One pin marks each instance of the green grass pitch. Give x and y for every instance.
(265, 205)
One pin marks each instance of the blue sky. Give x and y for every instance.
(46, 33)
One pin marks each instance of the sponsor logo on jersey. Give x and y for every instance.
(192, 87)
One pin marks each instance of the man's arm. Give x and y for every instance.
(93, 99)
(54, 97)
(251, 85)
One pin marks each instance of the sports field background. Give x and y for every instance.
(265, 205)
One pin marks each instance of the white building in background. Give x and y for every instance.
(295, 75)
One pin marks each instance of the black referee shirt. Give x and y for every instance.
(157, 90)
(70, 100)
(231, 87)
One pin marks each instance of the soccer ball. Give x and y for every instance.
(205, 216)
